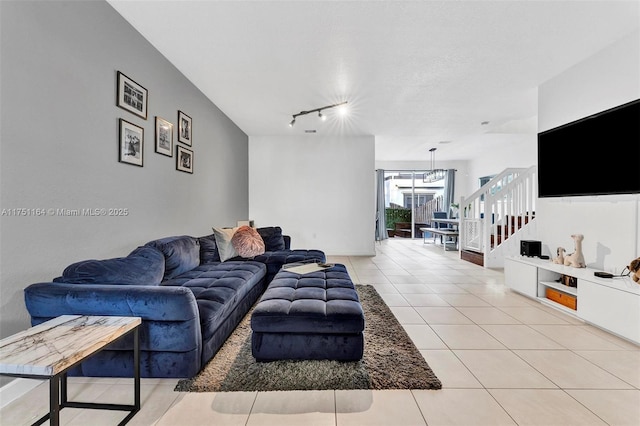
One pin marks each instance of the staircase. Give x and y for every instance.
(495, 218)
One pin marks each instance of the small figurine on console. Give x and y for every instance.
(560, 259)
(634, 267)
(576, 259)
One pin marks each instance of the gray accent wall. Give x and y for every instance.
(59, 147)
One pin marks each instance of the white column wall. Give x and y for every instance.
(610, 223)
(320, 190)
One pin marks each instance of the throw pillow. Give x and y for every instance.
(247, 242)
(272, 236)
(223, 241)
(181, 254)
(208, 249)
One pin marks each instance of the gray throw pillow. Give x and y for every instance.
(223, 241)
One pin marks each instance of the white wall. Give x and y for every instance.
(516, 151)
(59, 146)
(320, 190)
(609, 223)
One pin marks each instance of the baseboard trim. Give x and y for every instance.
(15, 389)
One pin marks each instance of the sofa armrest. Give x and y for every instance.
(287, 242)
(155, 303)
(170, 334)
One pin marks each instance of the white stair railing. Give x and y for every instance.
(493, 218)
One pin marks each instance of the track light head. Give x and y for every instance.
(321, 116)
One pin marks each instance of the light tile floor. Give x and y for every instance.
(503, 359)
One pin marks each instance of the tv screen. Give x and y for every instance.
(595, 155)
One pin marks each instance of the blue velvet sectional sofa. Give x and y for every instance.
(189, 300)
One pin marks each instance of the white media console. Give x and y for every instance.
(612, 304)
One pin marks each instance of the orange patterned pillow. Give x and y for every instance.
(247, 242)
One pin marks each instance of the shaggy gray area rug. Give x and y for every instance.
(391, 361)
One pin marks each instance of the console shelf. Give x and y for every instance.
(561, 287)
(612, 304)
(557, 306)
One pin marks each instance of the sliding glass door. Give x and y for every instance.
(409, 202)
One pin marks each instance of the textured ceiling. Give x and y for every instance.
(414, 73)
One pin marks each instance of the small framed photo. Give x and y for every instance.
(132, 96)
(185, 131)
(184, 160)
(131, 143)
(164, 137)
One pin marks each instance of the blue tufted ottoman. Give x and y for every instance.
(311, 316)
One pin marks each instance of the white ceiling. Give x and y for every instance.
(414, 73)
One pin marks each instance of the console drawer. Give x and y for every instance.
(562, 298)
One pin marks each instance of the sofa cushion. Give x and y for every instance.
(181, 254)
(208, 249)
(219, 287)
(247, 242)
(143, 266)
(272, 236)
(318, 302)
(275, 259)
(223, 241)
(309, 316)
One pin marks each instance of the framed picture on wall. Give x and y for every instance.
(132, 96)
(185, 131)
(131, 143)
(164, 137)
(184, 160)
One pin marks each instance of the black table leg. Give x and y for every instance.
(54, 400)
(136, 368)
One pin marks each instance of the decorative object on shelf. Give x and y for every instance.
(185, 130)
(560, 251)
(164, 137)
(434, 174)
(568, 280)
(184, 159)
(318, 110)
(131, 143)
(576, 259)
(634, 268)
(132, 96)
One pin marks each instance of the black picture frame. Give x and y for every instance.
(131, 96)
(164, 137)
(185, 129)
(131, 144)
(184, 159)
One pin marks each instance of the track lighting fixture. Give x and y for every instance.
(321, 116)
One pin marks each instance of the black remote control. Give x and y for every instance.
(603, 274)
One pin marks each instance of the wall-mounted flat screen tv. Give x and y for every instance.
(596, 155)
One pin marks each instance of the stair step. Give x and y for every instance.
(472, 256)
